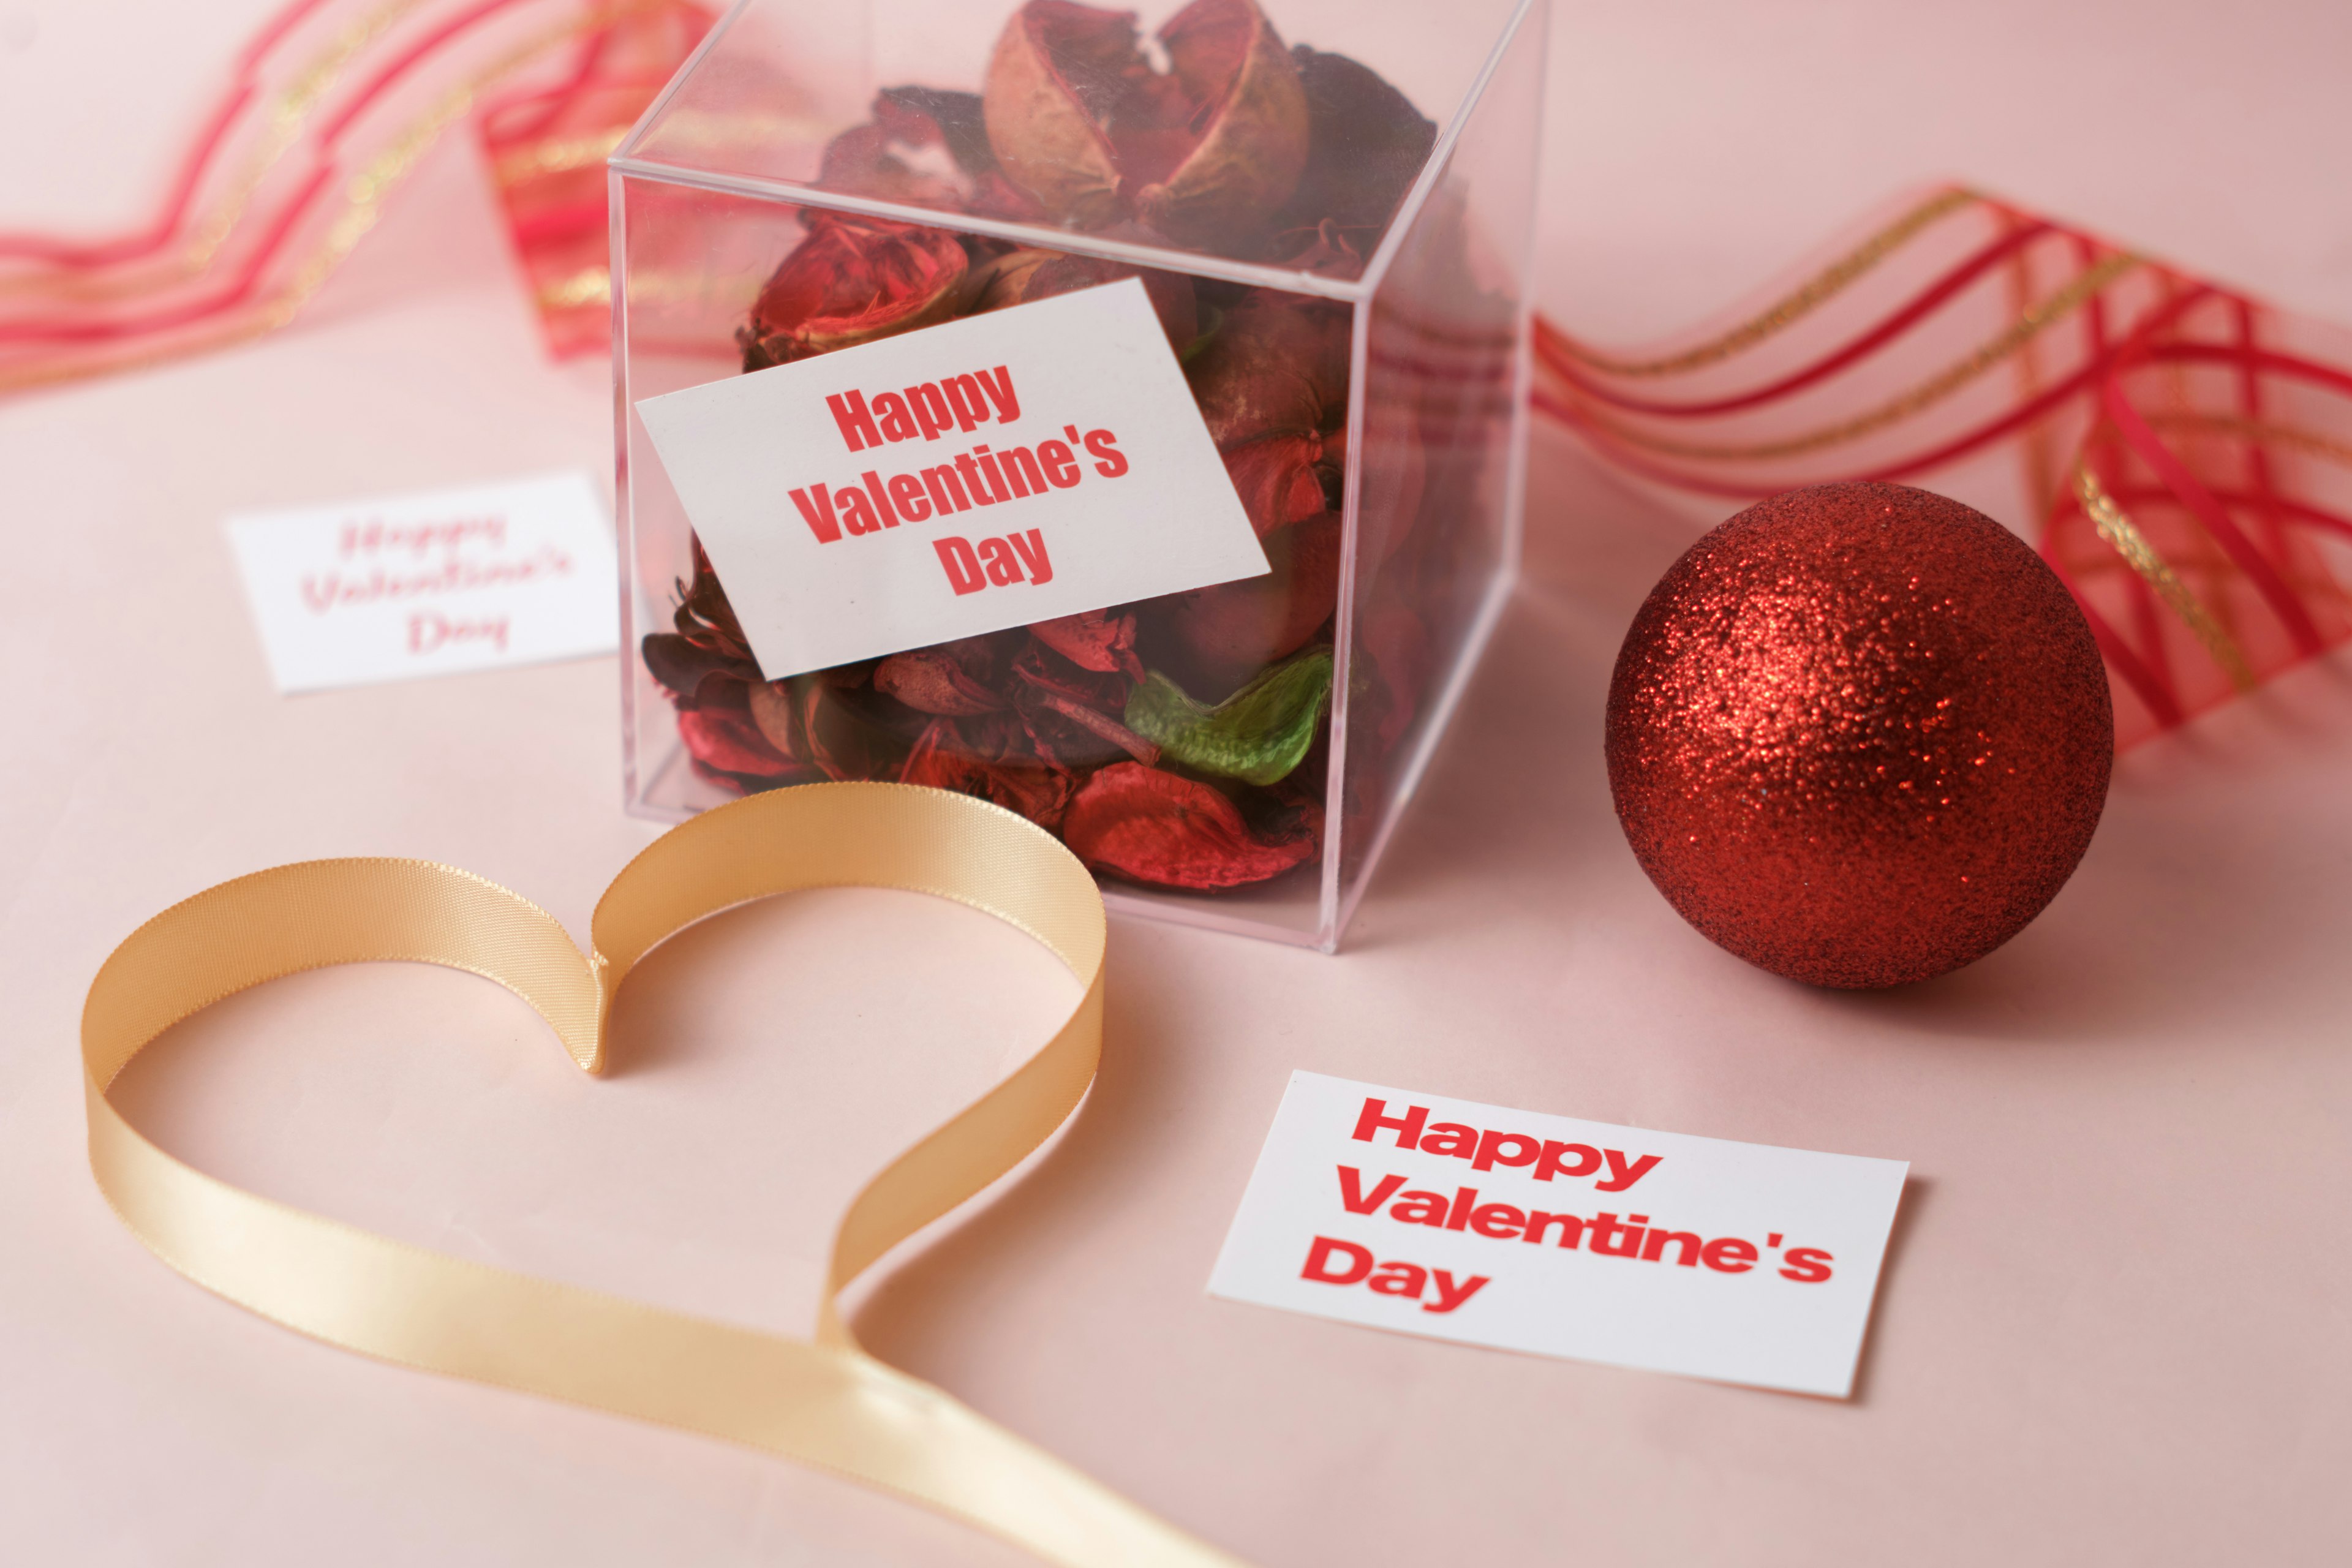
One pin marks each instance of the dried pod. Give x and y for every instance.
(1059, 75)
(1204, 154)
(1245, 113)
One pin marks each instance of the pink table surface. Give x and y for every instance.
(2112, 1327)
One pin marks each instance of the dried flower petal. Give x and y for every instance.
(1279, 364)
(704, 616)
(1102, 724)
(1280, 479)
(1257, 735)
(1001, 280)
(777, 716)
(1093, 640)
(1233, 629)
(1023, 276)
(847, 738)
(932, 116)
(943, 758)
(721, 736)
(901, 155)
(852, 280)
(1069, 714)
(1366, 144)
(1057, 738)
(1272, 387)
(681, 665)
(1173, 832)
(931, 681)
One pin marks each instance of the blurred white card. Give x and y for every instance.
(1741, 1262)
(431, 584)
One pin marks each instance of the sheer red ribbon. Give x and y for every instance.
(325, 110)
(2183, 453)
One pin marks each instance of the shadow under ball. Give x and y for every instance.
(1859, 735)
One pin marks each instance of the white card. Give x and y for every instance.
(984, 473)
(1740, 1262)
(431, 584)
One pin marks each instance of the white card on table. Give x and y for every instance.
(431, 584)
(1740, 1262)
(984, 473)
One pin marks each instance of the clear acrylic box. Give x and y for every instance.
(1332, 206)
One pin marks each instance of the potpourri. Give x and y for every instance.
(1181, 742)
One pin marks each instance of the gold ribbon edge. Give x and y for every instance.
(827, 1404)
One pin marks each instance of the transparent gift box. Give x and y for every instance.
(1331, 209)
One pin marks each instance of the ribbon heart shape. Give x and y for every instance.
(824, 1402)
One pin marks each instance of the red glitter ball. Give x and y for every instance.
(1859, 735)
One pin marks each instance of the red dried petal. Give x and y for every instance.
(850, 282)
(846, 741)
(1234, 629)
(724, 739)
(1366, 144)
(1103, 725)
(931, 681)
(680, 664)
(943, 758)
(704, 616)
(1173, 832)
(777, 713)
(1093, 640)
(1171, 293)
(1040, 666)
(1002, 281)
(1279, 478)
(1279, 364)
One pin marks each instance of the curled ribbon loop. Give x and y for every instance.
(827, 1404)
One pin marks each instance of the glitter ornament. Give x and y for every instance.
(1859, 735)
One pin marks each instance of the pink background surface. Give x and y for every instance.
(2112, 1324)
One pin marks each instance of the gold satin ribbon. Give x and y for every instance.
(826, 1403)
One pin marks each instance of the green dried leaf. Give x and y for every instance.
(1256, 735)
